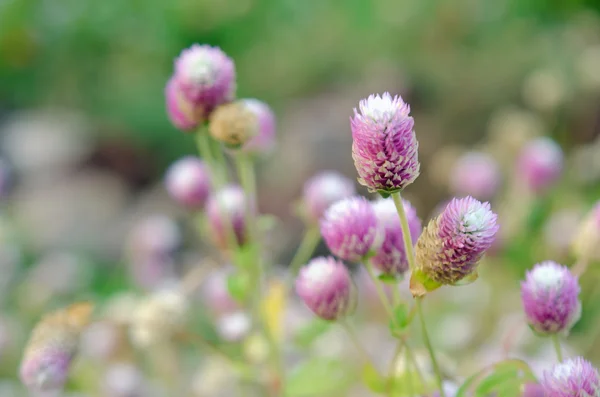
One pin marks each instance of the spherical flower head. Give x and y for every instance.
(385, 147)
(541, 164)
(183, 114)
(325, 286)
(235, 124)
(324, 189)
(391, 256)
(475, 174)
(205, 76)
(188, 182)
(349, 228)
(449, 249)
(226, 212)
(572, 378)
(550, 296)
(264, 141)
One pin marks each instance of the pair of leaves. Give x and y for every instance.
(503, 379)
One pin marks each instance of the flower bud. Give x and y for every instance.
(540, 164)
(475, 174)
(324, 189)
(349, 228)
(182, 113)
(384, 148)
(550, 295)
(188, 182)
(325, 286)
(264, 141)
(391, 256)
(573, 377)
(205, 76)
(226, 211)
(234, 124)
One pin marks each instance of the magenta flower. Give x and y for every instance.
(532, 390)
(384, 148)
(325, 286)
(349, 228)
(450, 247)
(541, 164)
(550, 295)
(205, 76)
(226, 209)
(475, 174)
(324, 189)
(572, 378)
(182, 113)
(188, 182)
(264, 140)
(46, 369)
(391, 257)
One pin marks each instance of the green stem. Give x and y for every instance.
(309, 243)
(414, 362)
(409, 379)
(203, 144)
(408, 245)
(434, 362)
(248, 182)
(359, 347)
(392, 368)
(557, 348)
(380, 292)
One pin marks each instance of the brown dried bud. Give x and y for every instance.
(234, 123)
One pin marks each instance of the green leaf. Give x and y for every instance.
(388, 278)
(401, 320)
(505, 377)
(238, 286)
(246, 255)
(309, 333)
(319, 377)
(373, 380)
(421, 284)
(471, 278)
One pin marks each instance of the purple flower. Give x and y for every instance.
(540, 164)
(475, 174)
(391, 257)
(349, 228)
(264, 140)
(325, 286)
(532, 390)
(384, 148)
(550, 295)
(450, 247)
(324, 189)
(182, 113)
(226, 212)
(205, 76)
(572, 378)
(188, 182)
(46, 369)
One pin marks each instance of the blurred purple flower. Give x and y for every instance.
(540, 164)
(224, 208)
(572, 378)
(264, 141)
(188, 182)
(324, 189)
(475, 174)
(181, 112)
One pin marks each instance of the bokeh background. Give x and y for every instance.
(85, 139)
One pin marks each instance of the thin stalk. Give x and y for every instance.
(247, 176)
(414, 362)
(557, 348)
(409, 380)
(392, 368)
(203, 145)
(359, 347)
(309, 243)
(408, 245)
(380, 292)
(436, 368)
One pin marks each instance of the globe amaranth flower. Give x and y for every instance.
(205, 76)
(264, 140)
(246, 124)
(550, 296)
(540, 164)
(226, 214)
(349, 228)
(51, 347)
(324, 189)
(384, 148)
(475, 174)
(391, 256)
(325, 286)
(450, 247)
(183, 114)
(572, 378)
(188, 182)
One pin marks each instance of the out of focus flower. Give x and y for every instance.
(51, 347)
(385, 147)
(572, 378)
(475, 174)
(540, 164)
(586, 243)
(324, 189)
(226, 212)
(188, 182)
(550, 295)
(452, 244)
(264, 141)
(349, 227)
(234, 327)
(182, 112)
(544, 90)
(325, 286)
(533, 390)
(243, 122)
(123, 380)
(215, 294)
(205, 76)
(390, 257)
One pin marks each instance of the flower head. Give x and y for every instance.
(264, 140)
(572, 378)
(188, 182)
(224, 208)
(391, 256)
(183, 114)
(205, 76)
(550, 295)
(235, 123)
(384, 148)
(541, 164)
(349, 228)
(326, 288)
(324, 189)
(475, 174)
(452, 244)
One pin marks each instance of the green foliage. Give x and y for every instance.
(311, 332)
(504, 379)
(320, 377)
